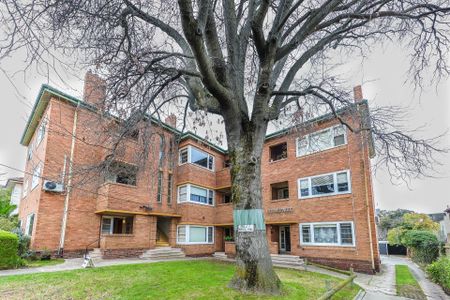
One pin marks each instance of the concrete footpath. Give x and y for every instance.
(382, 285)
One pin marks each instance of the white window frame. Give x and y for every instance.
(324, 195)
(25, 188)
(308, 139)
(187, 233)
(111, 230)
(188, 194)
(41, 132)
(30, 151)
(338, 227)
(36, 176)
(29, 224)
(189, 161)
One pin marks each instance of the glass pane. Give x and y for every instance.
(342, 182)
(304, 187)
(106, 225)
(320, 141)
(325, 234)
(210, 234)
(322, 185)
(197, 234)
(199, 158)
(181, 234)
(306, 234)
(210, 162)
(182, 194)
(183, 156)
(302, 146)
(346, 234)
(211, 198)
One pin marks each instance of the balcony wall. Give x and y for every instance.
(223, 178)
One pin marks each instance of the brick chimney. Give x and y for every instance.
(171, 120)
(94, 89)
(357, 93)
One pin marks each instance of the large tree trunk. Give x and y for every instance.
(254, 270)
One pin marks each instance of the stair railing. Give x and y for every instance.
(87, 246)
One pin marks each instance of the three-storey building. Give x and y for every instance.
(317, 188)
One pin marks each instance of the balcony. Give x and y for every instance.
(117, 196)
(223, 178)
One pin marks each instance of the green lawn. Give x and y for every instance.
(44, 263)
(165, 280)
(407, 285)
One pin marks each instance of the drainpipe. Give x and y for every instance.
(366, 187)
(69, 184)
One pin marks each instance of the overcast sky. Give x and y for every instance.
(383, 75)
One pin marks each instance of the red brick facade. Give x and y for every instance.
(88, 199)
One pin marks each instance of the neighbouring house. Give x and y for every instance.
(444, 222)
(317, 187)
(15, 184)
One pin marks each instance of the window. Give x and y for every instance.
(41, 133)
(280, 190)
(117, 225)
(169, 188)
(36, 176)
(190, 234)
(226, 198)
(327, 234)
(29, 225)
(195, 156)
(122, 173)
(324, 185)
(278, 152)
(30, 151)
(25, 188)
(195, 194)
(322, 140)
(160, 186)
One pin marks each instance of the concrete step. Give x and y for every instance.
(95, 253)
(163, 253)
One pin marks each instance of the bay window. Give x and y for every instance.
(195, 194)
(324, 185)
(195, 156)
(193, 234)
(321, 140)
(327, 234)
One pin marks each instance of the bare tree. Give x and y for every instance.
(251, 62)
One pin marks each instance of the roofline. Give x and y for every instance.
(75, 101)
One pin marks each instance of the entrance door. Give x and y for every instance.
(285, 239)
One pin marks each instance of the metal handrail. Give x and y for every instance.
(86, 249)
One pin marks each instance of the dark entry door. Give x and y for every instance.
(285, 239)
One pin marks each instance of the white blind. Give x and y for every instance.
(197, 234)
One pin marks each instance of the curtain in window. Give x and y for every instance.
(306, 234)
(346, 233)
(199, 195)
(326, 234)
(197, 234)
(181, 234)
(322, 184)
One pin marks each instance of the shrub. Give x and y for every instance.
(24, 244)
(30, 255)
(8, 223)
(439, 272)
(9, 243)
(424, 245)
(45, 255)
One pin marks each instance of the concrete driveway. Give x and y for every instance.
(382, 285)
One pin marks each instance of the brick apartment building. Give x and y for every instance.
(317, 189)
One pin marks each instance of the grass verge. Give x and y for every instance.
(44, 263)
(198, 279)
(406, 283)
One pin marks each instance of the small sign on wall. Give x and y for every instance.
(246, 228)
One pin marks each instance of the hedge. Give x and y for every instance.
(424, 245)
(9, 243)
(439, 272)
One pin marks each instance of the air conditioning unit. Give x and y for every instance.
(52, 186)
